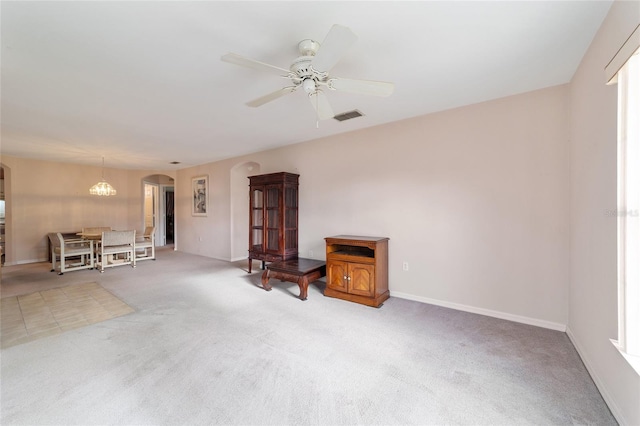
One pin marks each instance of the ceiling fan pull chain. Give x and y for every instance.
(317, 113)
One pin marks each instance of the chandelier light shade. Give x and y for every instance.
(102, 188)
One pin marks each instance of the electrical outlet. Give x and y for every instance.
(199, 238)
(311, 254)
(405, 266)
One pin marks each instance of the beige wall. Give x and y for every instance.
(45, 197)
(593, 288)
(475, 199)
(207, 236)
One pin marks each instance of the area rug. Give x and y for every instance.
(44, 313)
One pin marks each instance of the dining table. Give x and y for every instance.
(90, 236)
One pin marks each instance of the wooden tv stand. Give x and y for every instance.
(357, 269)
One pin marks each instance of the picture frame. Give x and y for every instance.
(200, 195)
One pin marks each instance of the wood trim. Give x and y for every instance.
(621, 57)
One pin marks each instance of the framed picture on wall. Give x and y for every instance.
(200, 194)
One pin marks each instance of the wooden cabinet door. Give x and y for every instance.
(361, 279)
(256, 219)
(273, 219)
(336, 275)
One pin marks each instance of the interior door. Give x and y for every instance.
(150, 204)
(153, 216)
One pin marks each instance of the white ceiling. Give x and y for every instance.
(142, 84)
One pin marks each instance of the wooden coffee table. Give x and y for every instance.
(300, 271)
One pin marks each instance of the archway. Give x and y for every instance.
(158, 207)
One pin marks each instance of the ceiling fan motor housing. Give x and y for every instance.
(303, 72)
(301, 67)
(308, 47)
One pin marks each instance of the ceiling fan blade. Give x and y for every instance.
(232, 58)
(335, 45)
(362, 87)
(271, 96)
(321, 105)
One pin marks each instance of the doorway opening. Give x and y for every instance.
(159, 207)
(169, 202)
(3, 234)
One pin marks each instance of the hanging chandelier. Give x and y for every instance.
(102, 188)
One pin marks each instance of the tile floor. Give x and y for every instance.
(44, 313)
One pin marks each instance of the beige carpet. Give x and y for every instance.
(44, 313)
(207, 345)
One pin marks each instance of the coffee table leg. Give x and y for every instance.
(265, 280)
(303, 283)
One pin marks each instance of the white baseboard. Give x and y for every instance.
(488, 312)
(596, 379)
(24, 262)
(235, 259)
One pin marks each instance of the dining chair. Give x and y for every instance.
(72, 253)
(145, 244)
(114, 244)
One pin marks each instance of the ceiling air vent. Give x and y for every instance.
(348, 115)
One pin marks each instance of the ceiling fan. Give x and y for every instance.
(311, 72)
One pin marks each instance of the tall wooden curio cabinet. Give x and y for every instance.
(273, 217)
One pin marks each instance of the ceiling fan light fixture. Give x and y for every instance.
(309, 85)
